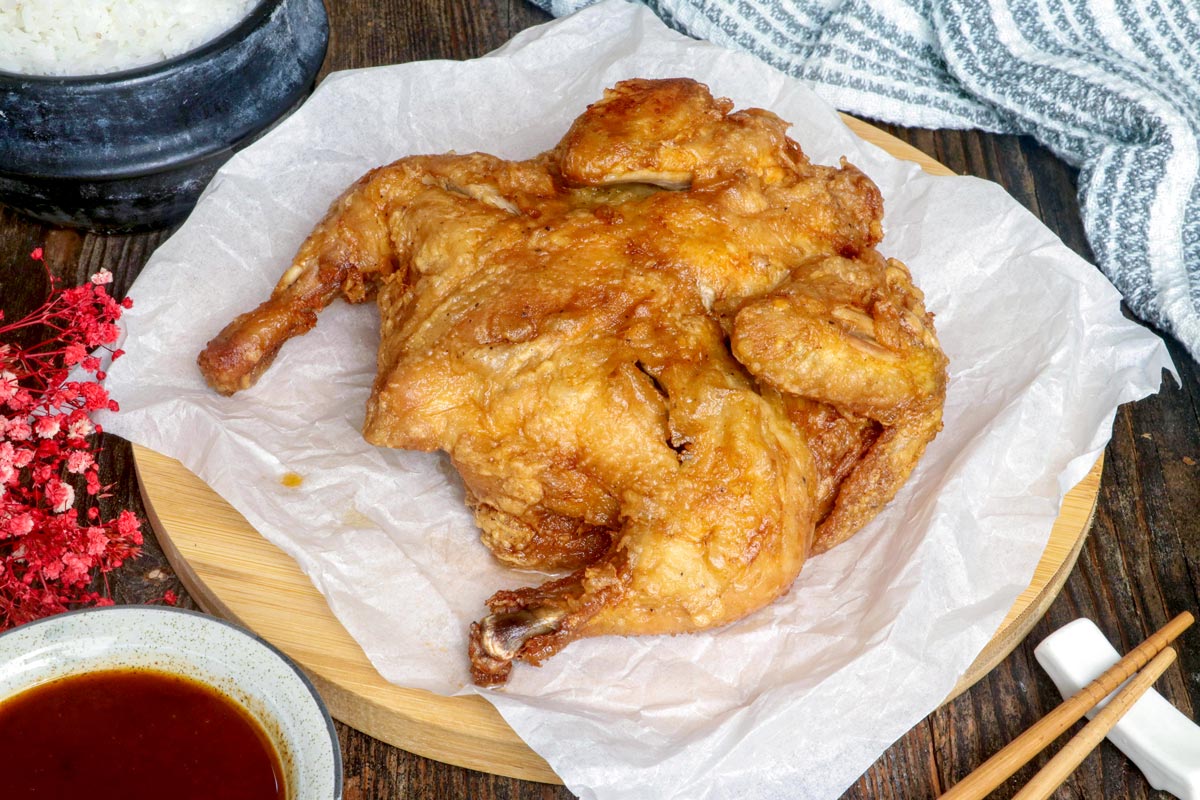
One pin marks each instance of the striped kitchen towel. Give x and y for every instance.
(1111, 86)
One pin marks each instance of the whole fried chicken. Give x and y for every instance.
(665, 357)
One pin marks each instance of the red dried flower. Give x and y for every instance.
(47, 557)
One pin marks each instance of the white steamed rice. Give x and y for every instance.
(90, 37)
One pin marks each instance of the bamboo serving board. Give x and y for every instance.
(231, 571)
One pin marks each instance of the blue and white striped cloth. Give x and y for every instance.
(1111, 86)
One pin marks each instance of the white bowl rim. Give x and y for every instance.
(203, 618)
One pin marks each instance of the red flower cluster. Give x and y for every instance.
(48, 554)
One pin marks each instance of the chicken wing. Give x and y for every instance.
(664, 356)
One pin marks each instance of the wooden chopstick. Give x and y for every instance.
(1017, 753)
(1049, 777)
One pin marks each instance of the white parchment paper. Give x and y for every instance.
(795, 701)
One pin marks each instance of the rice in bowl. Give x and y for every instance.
(93, 37)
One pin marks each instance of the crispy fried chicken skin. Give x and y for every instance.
(665, 357)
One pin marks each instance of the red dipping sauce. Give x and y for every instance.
(133, 735)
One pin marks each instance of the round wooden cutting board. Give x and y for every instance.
(233, 572)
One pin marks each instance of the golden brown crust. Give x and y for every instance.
(677, 394)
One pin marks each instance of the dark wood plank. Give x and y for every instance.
(1140, 564)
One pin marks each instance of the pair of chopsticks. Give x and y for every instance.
(1154, 654)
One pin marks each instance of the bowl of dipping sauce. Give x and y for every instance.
(134, 148)
(146, 702)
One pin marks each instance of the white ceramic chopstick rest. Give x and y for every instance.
(1154, 734)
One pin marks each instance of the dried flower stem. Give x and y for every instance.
(48, 554)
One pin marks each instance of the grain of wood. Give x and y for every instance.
(1036, 737)
(233, 572)
(1122, 580)
(1064, 762)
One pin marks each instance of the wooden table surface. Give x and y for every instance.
(1140, 564)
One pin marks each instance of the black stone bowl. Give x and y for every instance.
(134, 149)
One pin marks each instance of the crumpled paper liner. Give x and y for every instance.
(794, 701)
